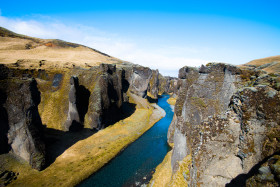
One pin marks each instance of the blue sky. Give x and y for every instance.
(164, 35)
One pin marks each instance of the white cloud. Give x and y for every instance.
(167, 65)
(165, 58)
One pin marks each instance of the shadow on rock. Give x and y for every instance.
(59, 141)
(151, 100)
(115, 114)
(4, 124)
(241, 179)
(82, 101)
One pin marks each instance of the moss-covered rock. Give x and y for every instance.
(228, 121)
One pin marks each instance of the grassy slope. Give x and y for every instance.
(163, 173)
(273, 68)
(16, 47)
(89, 155)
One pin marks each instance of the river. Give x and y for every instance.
(135, 165)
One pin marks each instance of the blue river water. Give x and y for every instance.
(134, 166)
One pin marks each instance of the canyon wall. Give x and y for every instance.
(225, 130)
(21, 125)
(67, 99)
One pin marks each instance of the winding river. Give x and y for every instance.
(135, 165)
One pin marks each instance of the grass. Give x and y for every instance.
(182, 174)
(171, 101)
(53, 107)
(89, 155)
(56, 52)
(270, 69)
(163, 173)
(196, 101)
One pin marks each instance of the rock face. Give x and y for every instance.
(21, 120)
(73, 120)
(95, 98)
(153, 85)
(227, 120)
(106, 98)
(169, 85)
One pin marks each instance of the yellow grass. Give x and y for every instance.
(171, 101)
(182, 175)
(87, 156)
(163, 173)
(13, 49)
(163, 176)
(261, 61)
(270, 69)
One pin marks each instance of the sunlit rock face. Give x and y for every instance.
(227, 120)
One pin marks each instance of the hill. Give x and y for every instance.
(268, 64)
(55, 53)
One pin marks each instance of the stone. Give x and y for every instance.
(225, 125)
(25, 137)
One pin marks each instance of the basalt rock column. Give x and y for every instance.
(25, 127)
(73, 119)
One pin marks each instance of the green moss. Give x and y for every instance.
(182, 175)
(199, 102)
(272, 75)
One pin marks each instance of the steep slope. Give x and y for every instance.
(225, 129)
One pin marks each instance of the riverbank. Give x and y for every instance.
(88, 155)
(171, 101)
(136, 164)
(163, 172)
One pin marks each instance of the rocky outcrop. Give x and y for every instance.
(107, 97)
(138, 78)
(153, 87)
(226, 122)
(95, 98)
(21, 120)
(169, 85)
(73, 120)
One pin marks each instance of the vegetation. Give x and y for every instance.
(87, 156)
(171, 101)
(163, 175)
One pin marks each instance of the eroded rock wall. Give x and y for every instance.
(226, 119)
(21, 120)
(169, 85)
(95, 96)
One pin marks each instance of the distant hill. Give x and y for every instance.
(268, 64)
(28, 50)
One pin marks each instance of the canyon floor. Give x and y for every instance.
(86, 156)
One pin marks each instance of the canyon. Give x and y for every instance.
(225, 130)
(66, 110)
(52, 110)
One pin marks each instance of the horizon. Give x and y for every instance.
(161, 35)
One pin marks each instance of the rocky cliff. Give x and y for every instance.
(21, 126)
(225, 127)
(40, 93)
(68, 99)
